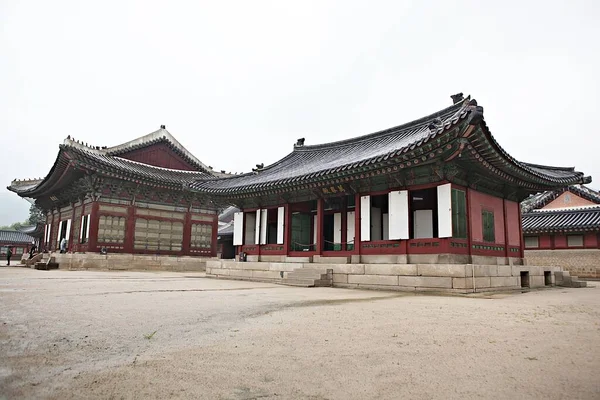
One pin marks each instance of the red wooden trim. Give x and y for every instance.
(428, 246)
(383, 247)
(272, 250)
(250, 249)
(93, 239)
(486, 252)
(319, 241)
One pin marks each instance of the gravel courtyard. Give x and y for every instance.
(138, 335)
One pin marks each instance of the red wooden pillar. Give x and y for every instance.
(129, 229)
(506, 249)
(287, 228)
(344, 226)
(319, 244)
(521, 239)
(357, 224)
(93, 239)
(187, 234)
(215, 233)
(71, 243)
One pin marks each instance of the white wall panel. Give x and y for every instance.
(280, 225)
(238, 228)
(444, 201)
(398, 218)
(365, 218)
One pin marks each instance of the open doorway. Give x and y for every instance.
(380, 217)
(424, 216)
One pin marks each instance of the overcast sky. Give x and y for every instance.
(238, 82)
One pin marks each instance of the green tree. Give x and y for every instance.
(36, 215)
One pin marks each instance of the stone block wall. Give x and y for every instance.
(403, 277)
(129, 262)
(584, 263)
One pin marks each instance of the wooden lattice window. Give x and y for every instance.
(201, 236)
(489, 230)
(158, 235)
(111, 229)
(459, 214)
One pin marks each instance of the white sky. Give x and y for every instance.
(238, 82)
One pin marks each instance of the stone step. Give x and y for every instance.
(294, 275)
(578, 284)
(298, 282)
(307, 282)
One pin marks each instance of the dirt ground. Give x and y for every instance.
(134, 335)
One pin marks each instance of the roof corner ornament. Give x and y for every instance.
(163, 127)
(300, 142)
(586, 180)
(258, 167)
(457, 98)
(476, 113)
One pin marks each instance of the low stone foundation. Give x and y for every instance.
(465, 278)
(584, 263)
(129, 262)
(391, 259)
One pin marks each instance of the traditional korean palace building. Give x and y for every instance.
(130, 198)
(562, 228)
(439, 189)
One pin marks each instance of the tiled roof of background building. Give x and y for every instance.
(15, 237)
(562, 220)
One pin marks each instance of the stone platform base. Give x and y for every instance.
(129, 262)
(465, 278)
(391, 259)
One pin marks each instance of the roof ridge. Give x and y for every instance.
(357, 139)
(574, 209)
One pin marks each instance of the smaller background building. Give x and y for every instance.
(20, 242)
(562, 228)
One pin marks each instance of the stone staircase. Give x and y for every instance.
(564, 278)
(309, 277)
(46, 264)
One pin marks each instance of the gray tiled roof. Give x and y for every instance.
(306, 162)
(15, 237)
(541, 199)
(562, 220)
(326, 160)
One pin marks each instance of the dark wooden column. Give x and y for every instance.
(215, 233)
(357, 224)
(187, 234)
(319, 244)
(70, 240)
(129, 229)
(287, 228)
(93, 239)
(506, 249)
